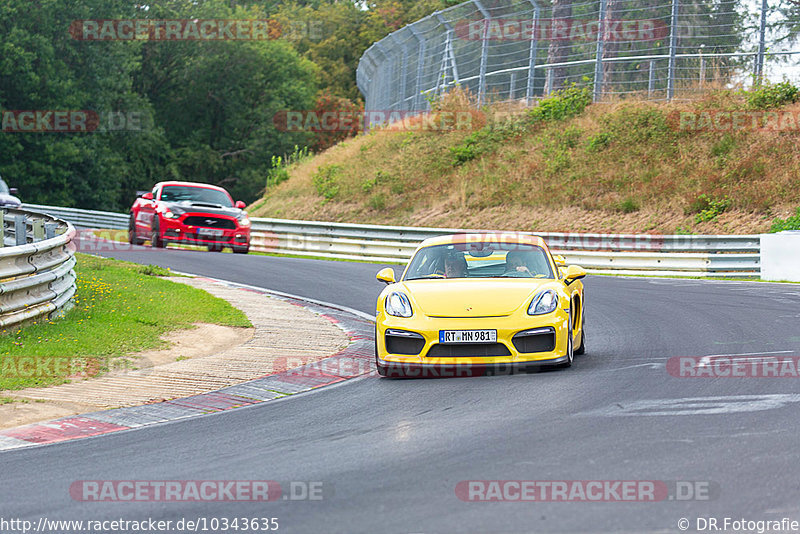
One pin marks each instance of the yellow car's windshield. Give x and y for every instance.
(479, 260)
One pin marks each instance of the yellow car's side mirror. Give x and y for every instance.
(572, 273)
(386, 275)
(560, 260)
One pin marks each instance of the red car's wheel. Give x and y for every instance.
(155, 237)
(132, 238)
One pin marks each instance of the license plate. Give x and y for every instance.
(467, 336)
(210, 232)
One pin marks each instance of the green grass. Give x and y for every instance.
(120, 308)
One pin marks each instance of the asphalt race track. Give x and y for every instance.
(389, 453)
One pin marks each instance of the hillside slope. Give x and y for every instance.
(564, 165)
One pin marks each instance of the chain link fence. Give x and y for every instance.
(519, 50)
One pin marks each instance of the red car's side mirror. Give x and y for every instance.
(241, 205)
(148, 196)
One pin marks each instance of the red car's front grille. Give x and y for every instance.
(209, 222)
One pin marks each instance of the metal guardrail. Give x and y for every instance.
(36, 266)
(732, 256)
(728, 256)
(84, 219)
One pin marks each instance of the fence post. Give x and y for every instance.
(673, 45)
(448, 48)
(2, 228)
(762, 45)
(487, 18)
(20, 229)
(702, 67)
(420, 65)
(532, 55)
(388, 67)
(598, 66)
(651, 79)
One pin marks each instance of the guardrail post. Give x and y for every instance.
(20, 229)
(50, 230)
(38, 230)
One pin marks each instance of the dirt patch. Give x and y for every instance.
(203, 340)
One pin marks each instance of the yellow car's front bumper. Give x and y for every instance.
(510, 352)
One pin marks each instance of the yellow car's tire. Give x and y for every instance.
(570, 351)
(582, 349)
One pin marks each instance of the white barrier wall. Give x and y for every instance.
(780, 256)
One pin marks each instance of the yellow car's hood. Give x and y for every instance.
(472, 298)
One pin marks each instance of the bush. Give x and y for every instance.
(563, 104)
(790, 223)
(710, 208)
(377, 202)
(724, 146)
(599, 142)
(279, 172)
(326, 181)
(486, 139)
(628, 205)
(639, 125)
(772, 95)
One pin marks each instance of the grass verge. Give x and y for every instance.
(628, 166)
(120, 308)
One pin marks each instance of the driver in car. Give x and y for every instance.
(515, 264)
(455, 266)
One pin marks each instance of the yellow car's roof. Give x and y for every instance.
(489, 237)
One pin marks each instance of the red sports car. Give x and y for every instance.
(190, 213)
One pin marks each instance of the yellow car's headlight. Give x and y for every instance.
(544, 302)
(397, 304)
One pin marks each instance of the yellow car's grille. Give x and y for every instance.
(468, 350)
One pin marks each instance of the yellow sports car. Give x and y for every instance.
(469, 304)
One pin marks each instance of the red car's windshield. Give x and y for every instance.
(180, 193)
